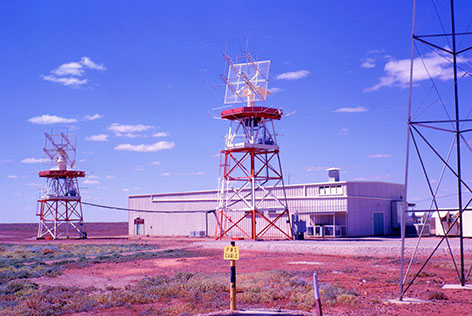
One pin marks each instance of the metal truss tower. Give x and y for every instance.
(439, 127)
(252, 198)
(60, 208)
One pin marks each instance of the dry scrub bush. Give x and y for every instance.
(303, 301)
(348, 299)
(331, 293)
(436, 295)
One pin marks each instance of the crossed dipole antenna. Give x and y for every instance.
(247, 80)
(59, 147)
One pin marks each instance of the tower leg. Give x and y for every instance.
(60, 218)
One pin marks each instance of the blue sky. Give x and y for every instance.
(137, 82)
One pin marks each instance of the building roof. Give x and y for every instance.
(286, 186)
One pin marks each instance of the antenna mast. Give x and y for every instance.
(60, 207)
(252, 198)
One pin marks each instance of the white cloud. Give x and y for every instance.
(131, 135)
(160, 134)
(87, 181)
(374, 51)
(98, 138)
(33, 160)
(125, 190)
(146, 148)
(50, 119)
(294, 75)
(374, 178)
(11, 176)
(197, 173)
(397, 72)
(351, 109)
(314, 168)
(69, 69)
(380, 156)
(32, 184)
(139, 168)
(93, 117)
(370, 59)
(343, 132)
(68, 74)
(92, 176)
(128, 130)
(109, 177)
(155, 163)
(66, 81)
(368, 63)
(90, 64)
(275, 90)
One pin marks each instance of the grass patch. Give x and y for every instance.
(28, 261)
(32, 253)
(194, 292)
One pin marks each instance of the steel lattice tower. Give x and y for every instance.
(60, 208)
(439, 126)
(252, 198)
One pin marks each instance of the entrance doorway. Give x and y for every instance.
(378, 222)
(139, 226)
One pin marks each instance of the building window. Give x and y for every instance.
(322, 191)
(331, 190)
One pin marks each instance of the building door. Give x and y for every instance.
(139, 226)
(378, 219)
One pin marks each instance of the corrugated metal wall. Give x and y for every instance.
(360, 198)
(367, 198)
(159, 224)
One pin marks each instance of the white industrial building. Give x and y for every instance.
(447, 219)
(329, 209)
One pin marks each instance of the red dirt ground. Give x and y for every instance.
(374, 278)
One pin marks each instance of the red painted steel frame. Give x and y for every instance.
(60, 212)
(250, 156)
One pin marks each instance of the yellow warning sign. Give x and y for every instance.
(231, 253)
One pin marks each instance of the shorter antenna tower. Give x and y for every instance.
(60, 207)
(252, 198)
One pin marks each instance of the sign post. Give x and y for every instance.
(316, 289)
(232, 253)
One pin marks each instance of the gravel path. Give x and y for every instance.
(370, 246)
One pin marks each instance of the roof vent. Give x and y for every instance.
(333, 174)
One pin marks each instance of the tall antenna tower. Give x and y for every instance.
(439, 127)
(60, 208)
(252, 198)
